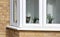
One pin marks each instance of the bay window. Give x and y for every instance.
(35, 15)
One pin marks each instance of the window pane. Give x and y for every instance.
(53, 12)
(15, 10)
(32, 11)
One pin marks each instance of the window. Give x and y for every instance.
(15, 11)
(32, 13)
(51, 14)
(35, 14)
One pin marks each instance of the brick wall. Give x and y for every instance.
(15, 33)
(4, 16)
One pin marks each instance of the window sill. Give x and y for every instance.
(34, 29)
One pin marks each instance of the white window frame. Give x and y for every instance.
(11, 14)
(19, 14)
(32, 25)
(48, 26)
(21, 18)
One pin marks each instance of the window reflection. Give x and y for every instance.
(53, 12)
(15, 10)
(32, 11)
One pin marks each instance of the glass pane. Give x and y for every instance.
(53, 12)
(15, 10)
(32, 11)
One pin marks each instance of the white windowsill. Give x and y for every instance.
(36, 29)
